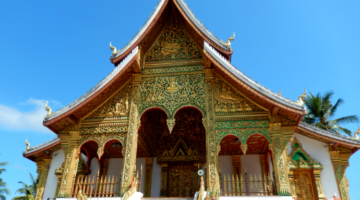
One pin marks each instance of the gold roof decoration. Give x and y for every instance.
(48, 109)
(174, 43)
(113, 49)
(356, 134)
(27, 144)
(228, 42)
(301, 98)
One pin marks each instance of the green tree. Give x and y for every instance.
(28, 191)
(321, 111)
(3, 186)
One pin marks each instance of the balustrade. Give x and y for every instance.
(249, 185)
(102, 186)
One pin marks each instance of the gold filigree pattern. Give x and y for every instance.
(173, 44)
(181, 69)
(102, 130)
(172, 92)
(228, 100)
(117, 106)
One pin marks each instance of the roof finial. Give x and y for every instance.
(280, 93)
(27, 144)
(47, 109)
(230, 40)
(301, 98)
(356, 134)
(113, 49)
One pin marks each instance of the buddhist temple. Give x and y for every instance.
(175, 118)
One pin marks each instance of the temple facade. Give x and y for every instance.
(175, 117)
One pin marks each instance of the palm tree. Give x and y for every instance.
(3, 189)
(28, 191)
(321, 110)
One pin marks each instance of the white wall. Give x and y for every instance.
(251, 163)
(94, 167)
(57, 159)
(156, 179)
(320, 152)
(225, 163)
(115, 167)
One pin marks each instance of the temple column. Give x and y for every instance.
(148, 176)
(340, 162)
(263, 165)
(212, 150)
(318, 184)
(236, 160)
(70, 144)
(132, 136)
(164, 179)
(42, 170)
(280, 139)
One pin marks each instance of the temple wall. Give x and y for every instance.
(226, 165)
(94, 167)
(320, 152)
(57, 159)
(251, 163)
(115, 166)
(156, 179)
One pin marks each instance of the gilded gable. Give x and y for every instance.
(227, 99)
(173, 44)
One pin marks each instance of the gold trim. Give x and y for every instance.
(173, 74)
(151, 65)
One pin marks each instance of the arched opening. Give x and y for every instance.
(112, 158)
(175, 156)
(90, 158)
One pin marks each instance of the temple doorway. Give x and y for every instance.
(177, 154)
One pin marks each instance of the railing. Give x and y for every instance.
(101, 186)
(250, 185)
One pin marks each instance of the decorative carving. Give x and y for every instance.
(228, 42)
(172, 92)
(112, 48)
(132, 190)
(228, 100)
(244, 147)
(242, 133)
(80, 195)
(301, 98)
(304, 185)
(102, 130)
(173, 44)
(116, 106)
(356, 134)
(171, 124)
(166, 70)
(242, 124)
(48, 109)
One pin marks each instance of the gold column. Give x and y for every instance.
(236, 160)
(164, 179)
(42, 170)
(340, 162)
(292, 184)
(132, 136)
(280, 137)
(212, 150)
(70, 144)
(105, 166)
(58, 173)
(148, 176)
(318, 185)
(263, 168)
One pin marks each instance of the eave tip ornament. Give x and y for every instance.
(27, 144)
(113, 49)
(301, 98)
(48, 109)
(356, 134)
(228, 42)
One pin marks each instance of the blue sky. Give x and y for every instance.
(58, 50)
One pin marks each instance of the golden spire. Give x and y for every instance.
(48, 109)
(280, 93)
(230, 40)
(113, 49)
(27, 144)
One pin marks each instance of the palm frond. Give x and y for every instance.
(5, 191)
(2, 197)
(347, 119)
(20, 198)
(3, 164)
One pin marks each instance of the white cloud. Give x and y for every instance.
(11, 118)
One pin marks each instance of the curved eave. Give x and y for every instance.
(100, 87)
(41, 147)
(327, 135)
(155, 15)
(267, 94)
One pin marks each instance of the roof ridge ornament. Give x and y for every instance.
(301, 98)
(280, 93)
(113, 49)
(48, 109)
(230, 40)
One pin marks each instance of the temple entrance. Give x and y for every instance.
(179, 153)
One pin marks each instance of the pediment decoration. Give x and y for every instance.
(174, 43)
(180, 152)
(300, 159)
(117, 106)
(228, 100)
